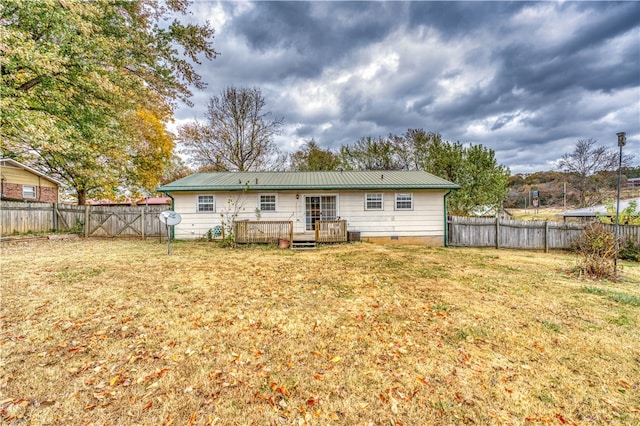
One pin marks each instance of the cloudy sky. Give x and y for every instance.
(526, 79)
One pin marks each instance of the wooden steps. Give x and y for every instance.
(303, 245)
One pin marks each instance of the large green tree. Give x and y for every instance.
(369, 153)
(483, 181)
(310, 157)
(88, 87)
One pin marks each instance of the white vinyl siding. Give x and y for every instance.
(426, 218)
(374, 202)
(206, 204)
(28, 191)
(267, 203)
(404, 201)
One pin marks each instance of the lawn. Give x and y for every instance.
(117, 332)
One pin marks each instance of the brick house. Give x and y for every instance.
(20, 182)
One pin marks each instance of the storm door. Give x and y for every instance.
(319, 207)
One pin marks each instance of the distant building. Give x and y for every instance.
(22, 183)
(633, 182)
(145, 201)
(595, 211)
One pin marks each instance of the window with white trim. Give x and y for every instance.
(373, 202)
(267, 203)
(206, 204)
(28, 191)
(404, 201)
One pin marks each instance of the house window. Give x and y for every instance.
(206, 203)
(404, 201)
(373, 202)
(28, 191)
(267, 203)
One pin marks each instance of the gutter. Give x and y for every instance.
(446, 220)
(173, 202)
(265, 188)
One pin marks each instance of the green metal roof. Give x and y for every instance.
(298, 181)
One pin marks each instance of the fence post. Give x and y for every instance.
(55, 217)
(86, 221)
(144, 224)
(497, 232)
(546, 236)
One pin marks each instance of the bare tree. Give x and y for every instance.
(237, 134)
(588, 165)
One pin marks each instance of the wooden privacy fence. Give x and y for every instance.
(538, 235)
(262, 231)
(90, 221)
(331, 231)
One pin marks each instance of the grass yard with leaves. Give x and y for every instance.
(117, 332)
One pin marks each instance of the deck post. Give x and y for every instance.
(291, 233)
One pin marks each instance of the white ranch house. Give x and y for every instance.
(382, 206)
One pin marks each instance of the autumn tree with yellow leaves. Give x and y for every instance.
(88, 88)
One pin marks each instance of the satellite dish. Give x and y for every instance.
(170, 218)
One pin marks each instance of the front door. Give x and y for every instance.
(319, 207)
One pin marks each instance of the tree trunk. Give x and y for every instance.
(82, 196)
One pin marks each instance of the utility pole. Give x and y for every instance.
(622, 140)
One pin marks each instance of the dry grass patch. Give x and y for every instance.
(116, 332)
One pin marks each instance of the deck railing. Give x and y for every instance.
(262, 231)
(331, 231)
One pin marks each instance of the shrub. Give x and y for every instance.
(630, 250)
(596, 246)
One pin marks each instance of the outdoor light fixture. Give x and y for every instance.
(622, 140)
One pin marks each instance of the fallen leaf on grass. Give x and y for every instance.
(564, 421)
(394, 405)
(613, 404)
(421, 380)
(146, 407)
(625, 384)
(336, 359)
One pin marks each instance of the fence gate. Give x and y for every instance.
(115, 223)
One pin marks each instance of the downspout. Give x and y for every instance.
(446, 220)
(173, 202)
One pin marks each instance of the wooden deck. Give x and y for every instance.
(327, 231)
